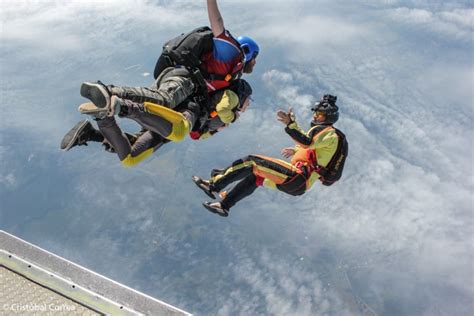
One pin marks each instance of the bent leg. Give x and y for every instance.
(176, 89)
(170, 124)
(145, 145)
(152, 122)
(243, 189)
(114, 135)
(239, 169)
(172, 91)
(138, 94)
(275, 170)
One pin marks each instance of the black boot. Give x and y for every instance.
(216, 208)
(80, 134)
(205, 186)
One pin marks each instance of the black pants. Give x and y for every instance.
(147, 141)
(251, 171)
(243, 189)
(172, 88)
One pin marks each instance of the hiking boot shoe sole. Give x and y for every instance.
(73, 135)
(97, 93)
(201, 185)
(219, 211)
(91, 109)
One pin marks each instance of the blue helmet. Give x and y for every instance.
(249, 46)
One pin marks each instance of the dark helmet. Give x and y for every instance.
(243, 90)
(249, 46)
(327, 105)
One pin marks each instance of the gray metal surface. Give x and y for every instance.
(22, 261)
(19, 295)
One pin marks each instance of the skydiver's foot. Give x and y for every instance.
(100, 113)
(216, 208)
(92, 110)
(78, 135)
(97, 92)
(205, 186)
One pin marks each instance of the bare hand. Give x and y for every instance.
(287, 152)
(286, 117)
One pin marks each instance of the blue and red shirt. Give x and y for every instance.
(225, 59)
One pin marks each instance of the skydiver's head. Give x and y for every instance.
(244, 91)
(251, 50)
(326, 112)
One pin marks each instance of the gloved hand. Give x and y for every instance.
(195, 135)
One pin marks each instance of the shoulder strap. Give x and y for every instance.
(236, 72)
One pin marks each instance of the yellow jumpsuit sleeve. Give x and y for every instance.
(302, 138)
(227, 104)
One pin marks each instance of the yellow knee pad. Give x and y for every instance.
(181, 126)
(131, 161)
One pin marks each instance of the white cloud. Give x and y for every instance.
(399, 221)
(310, 31)
(288, 92)
(9, 180)
(273, 286)
(463, 18)
(455, 24)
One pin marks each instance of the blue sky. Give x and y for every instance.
(395, 235)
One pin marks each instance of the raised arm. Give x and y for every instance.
(298, 135)
(215, 18)
(292, 129)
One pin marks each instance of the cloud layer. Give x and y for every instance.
(394, 237)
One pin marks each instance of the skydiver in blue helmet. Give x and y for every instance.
(160, 124)
(175, 85)
(222, 59)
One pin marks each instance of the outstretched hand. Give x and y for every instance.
(286, 117)
(288, 152)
